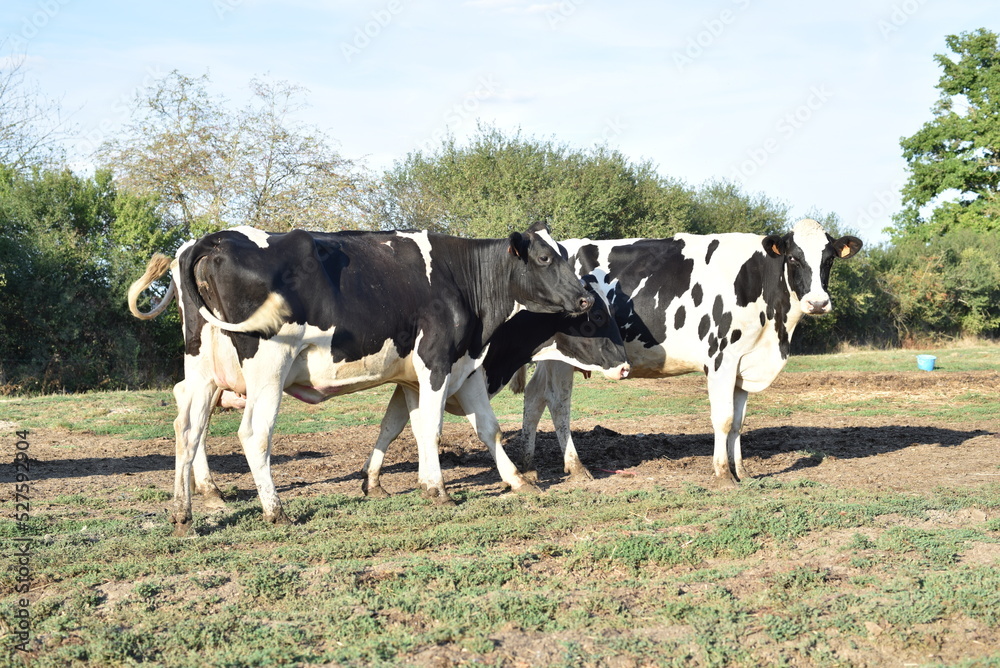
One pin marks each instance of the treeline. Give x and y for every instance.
(188, 163)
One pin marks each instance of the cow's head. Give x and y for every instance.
(809, 253)
(543, 280)
(591, 342)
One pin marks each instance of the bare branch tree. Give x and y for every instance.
(31, 125)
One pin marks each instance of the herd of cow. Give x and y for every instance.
(451, 321)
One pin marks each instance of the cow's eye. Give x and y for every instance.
(544, 259)
(793, 261)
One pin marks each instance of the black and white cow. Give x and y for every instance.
(589, 342)
(722, 304)
(322, 314)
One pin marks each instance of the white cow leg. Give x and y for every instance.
(426, 420)
(204, 483)
(534, 406)
(559, 394)
(395, 418)
(194, 405)
(475, 402)
(256, 432)
(735, 448)
(721, 387)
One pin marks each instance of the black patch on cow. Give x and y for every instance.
(711, 249)
(722, 344)
(723, 319)
(713, 344)
(763, 276)
(718, 361)
(667, 274)
(697, 294)
(736, 336)
(703, 326)
(679, 317)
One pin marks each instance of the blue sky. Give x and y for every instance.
(805, 102)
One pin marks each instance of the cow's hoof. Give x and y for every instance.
(375, 492)
(742, 475)
(182, 529)
(279, 518)
(724, 482)
(531, 476)
(578, 473)
(438, 496)
(213, 500)
(527, 488)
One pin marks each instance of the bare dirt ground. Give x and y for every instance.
(893, 452)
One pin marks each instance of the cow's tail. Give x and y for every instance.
(519, 381)
(158, 265)
(266, 320)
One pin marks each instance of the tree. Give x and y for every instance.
(31, 126)
(954, 159)
(209, 167)
(69, 247)
(497, 183)
(720, 206)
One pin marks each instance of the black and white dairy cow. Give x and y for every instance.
(722, 304)
(322, 314)
(590, 342)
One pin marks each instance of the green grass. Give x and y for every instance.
(966, 358)
(370, 582)
(149, 414)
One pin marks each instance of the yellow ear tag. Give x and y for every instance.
(845, 251)
(774, 249)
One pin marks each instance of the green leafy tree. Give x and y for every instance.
(498, 182)
(954, 159)
(69, 248)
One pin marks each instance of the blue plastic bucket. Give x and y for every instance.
(926, 362)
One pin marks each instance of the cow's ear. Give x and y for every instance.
(538, 226)
(774, 245)
(519, 245)
(846, 247)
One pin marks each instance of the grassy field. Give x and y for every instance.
(780, 572)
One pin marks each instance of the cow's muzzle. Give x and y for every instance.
(619, 372)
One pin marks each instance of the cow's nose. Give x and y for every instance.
(585, 303)
(819, 306)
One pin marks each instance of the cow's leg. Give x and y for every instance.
(721, 388)
(534, 406)
(551, 385)
(740, 397)
(395, 418)
(204, 484)
(426, 421)
(475, 402)
(559, 391)
(265, 374)
(194, 405)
